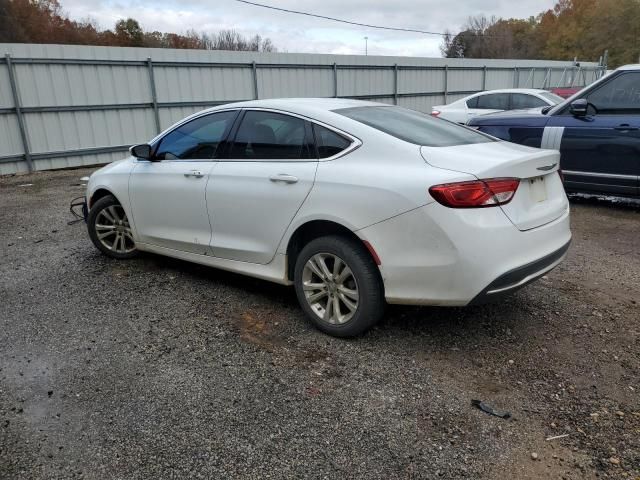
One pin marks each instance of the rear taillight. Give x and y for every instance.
(435, 113)
(476, 194)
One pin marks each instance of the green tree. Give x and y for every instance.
(129, 33)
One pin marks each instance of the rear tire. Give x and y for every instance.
(338, 286)
(109, 229)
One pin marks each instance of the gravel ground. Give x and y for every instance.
(156, 368)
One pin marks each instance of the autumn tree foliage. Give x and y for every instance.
(43, 21)
(573, 28)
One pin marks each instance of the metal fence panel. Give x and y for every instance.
(58, 85)
(81, 105)
(353, 82)
(78, 130)
(179, 84)
(9, 136)
(414, 80)
(500, 79)
(169, 116)
(6, 98)
(464, 81)
(295, 82)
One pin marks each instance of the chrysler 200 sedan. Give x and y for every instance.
(356, 204)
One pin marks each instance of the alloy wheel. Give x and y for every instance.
(330, 288)
(113, 230)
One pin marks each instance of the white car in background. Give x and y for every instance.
(356, 204)
(463, 110)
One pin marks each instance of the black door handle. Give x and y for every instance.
(626, 128)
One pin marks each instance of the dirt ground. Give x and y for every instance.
(156, 368)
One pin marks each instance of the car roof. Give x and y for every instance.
(303, 106)
(317, 109)
(635, 66)
(513, 90)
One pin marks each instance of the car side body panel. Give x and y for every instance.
(113, 178)
(346, 188)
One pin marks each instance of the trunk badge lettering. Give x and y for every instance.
(547, 167)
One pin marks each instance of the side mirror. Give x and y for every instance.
(579, 107)
(142, 150)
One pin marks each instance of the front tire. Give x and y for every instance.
(339, 286)
(109, 229)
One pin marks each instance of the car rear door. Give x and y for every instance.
(255, 192)
(523, 101)
(488, 103)
(601, 151)
(168, 194)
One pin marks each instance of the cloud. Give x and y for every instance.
(295, 33)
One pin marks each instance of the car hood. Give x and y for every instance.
(529, 117)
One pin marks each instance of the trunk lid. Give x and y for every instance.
(540, 197)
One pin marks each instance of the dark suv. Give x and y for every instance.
(597, 132)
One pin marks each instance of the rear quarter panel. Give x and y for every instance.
(381, 179)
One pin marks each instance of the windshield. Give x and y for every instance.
(552, 97)
(414, 127)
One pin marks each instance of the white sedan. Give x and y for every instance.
(356, 204)
(463, 110)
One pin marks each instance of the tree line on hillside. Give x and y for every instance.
(43, 21)
(573, 28)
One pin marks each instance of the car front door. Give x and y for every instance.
(255, 192)
(168, 193)
(600, 151)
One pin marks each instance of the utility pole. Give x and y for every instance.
(366, 45)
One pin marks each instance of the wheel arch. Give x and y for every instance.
(313, 229)
(100, 193)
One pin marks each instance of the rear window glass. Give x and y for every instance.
(556, 99)
(472, 102)
(329, 143)
(414, 127)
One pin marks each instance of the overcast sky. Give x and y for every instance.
(295, 33)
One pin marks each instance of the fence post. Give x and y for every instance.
(446, 84)
(395, 84)
(516, 77)
(18, 107)
(255, 80)
(484, 77)
(335, 80)
(154, 94)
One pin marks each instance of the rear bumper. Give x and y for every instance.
(519, 277)
(435, 255)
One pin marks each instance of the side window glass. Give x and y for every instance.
(620, 95)
(522, 100)
(329, 143)
(197, 139)
(472, 102)
(494, 101)
(269, 135)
